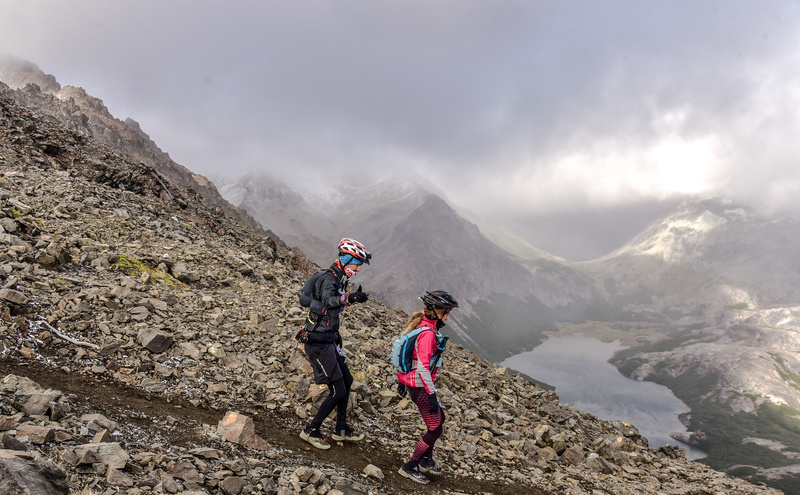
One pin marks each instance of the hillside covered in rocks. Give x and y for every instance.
(87, 115)
(147, 347)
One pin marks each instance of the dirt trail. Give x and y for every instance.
(116, 400)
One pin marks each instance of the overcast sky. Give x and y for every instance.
(573, 121)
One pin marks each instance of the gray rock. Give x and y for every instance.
(103, 422)
(22, 475)
(110, 453)
(115, 477)
(37, 435)
(13, 296)
(38, 403)
(373, 471)
(155, 340)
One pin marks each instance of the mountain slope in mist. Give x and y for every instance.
(705, 247)
(273, 203)
(87, 115)
(725, 281)
(421, 242)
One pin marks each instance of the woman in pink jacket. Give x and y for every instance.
(418, 382)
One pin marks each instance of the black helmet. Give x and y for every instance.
(438, 299)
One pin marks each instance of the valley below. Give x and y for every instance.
(741, 396)
(579, 369)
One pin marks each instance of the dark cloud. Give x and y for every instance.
(541, 108)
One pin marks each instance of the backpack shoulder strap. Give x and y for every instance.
(423, 326)
(441, 342)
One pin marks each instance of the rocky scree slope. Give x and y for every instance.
(87, 115)
(139, 327)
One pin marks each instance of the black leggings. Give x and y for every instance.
(339, 393)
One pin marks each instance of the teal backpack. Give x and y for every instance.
(403, 350)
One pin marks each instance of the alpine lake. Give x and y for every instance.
(577, 367)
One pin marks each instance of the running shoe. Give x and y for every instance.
(412, 472)
(348, 434)
(315, 438)
(428, 465)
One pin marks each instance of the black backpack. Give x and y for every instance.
(307, 299)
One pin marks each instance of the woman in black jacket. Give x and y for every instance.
(323, 344)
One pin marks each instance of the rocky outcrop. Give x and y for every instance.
(18, 73)
(88, 116)
(24, 474)
(135, 319)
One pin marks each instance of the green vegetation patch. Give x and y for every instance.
(789, 484)
(784, 416)
(624, 358)
(135, 268)
(743, 472)
(724, 430)
(789, 376)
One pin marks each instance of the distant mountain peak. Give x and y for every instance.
(688, 224)
(719, 206)
(18, 73)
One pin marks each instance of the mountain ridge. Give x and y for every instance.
(84, 113)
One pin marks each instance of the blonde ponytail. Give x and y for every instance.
(413, 321)
(431, 314)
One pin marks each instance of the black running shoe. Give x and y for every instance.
(428, 465)
(315, 438)
(412, 472)
(348, 434)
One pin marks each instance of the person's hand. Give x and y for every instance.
(357, 297)
(434, 403)
(401, 389)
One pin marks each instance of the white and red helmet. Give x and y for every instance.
(355, 249)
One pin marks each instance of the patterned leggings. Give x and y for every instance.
(434, 422)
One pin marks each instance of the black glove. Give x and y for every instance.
(434, 403)
(401, 389)
(357, 296)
